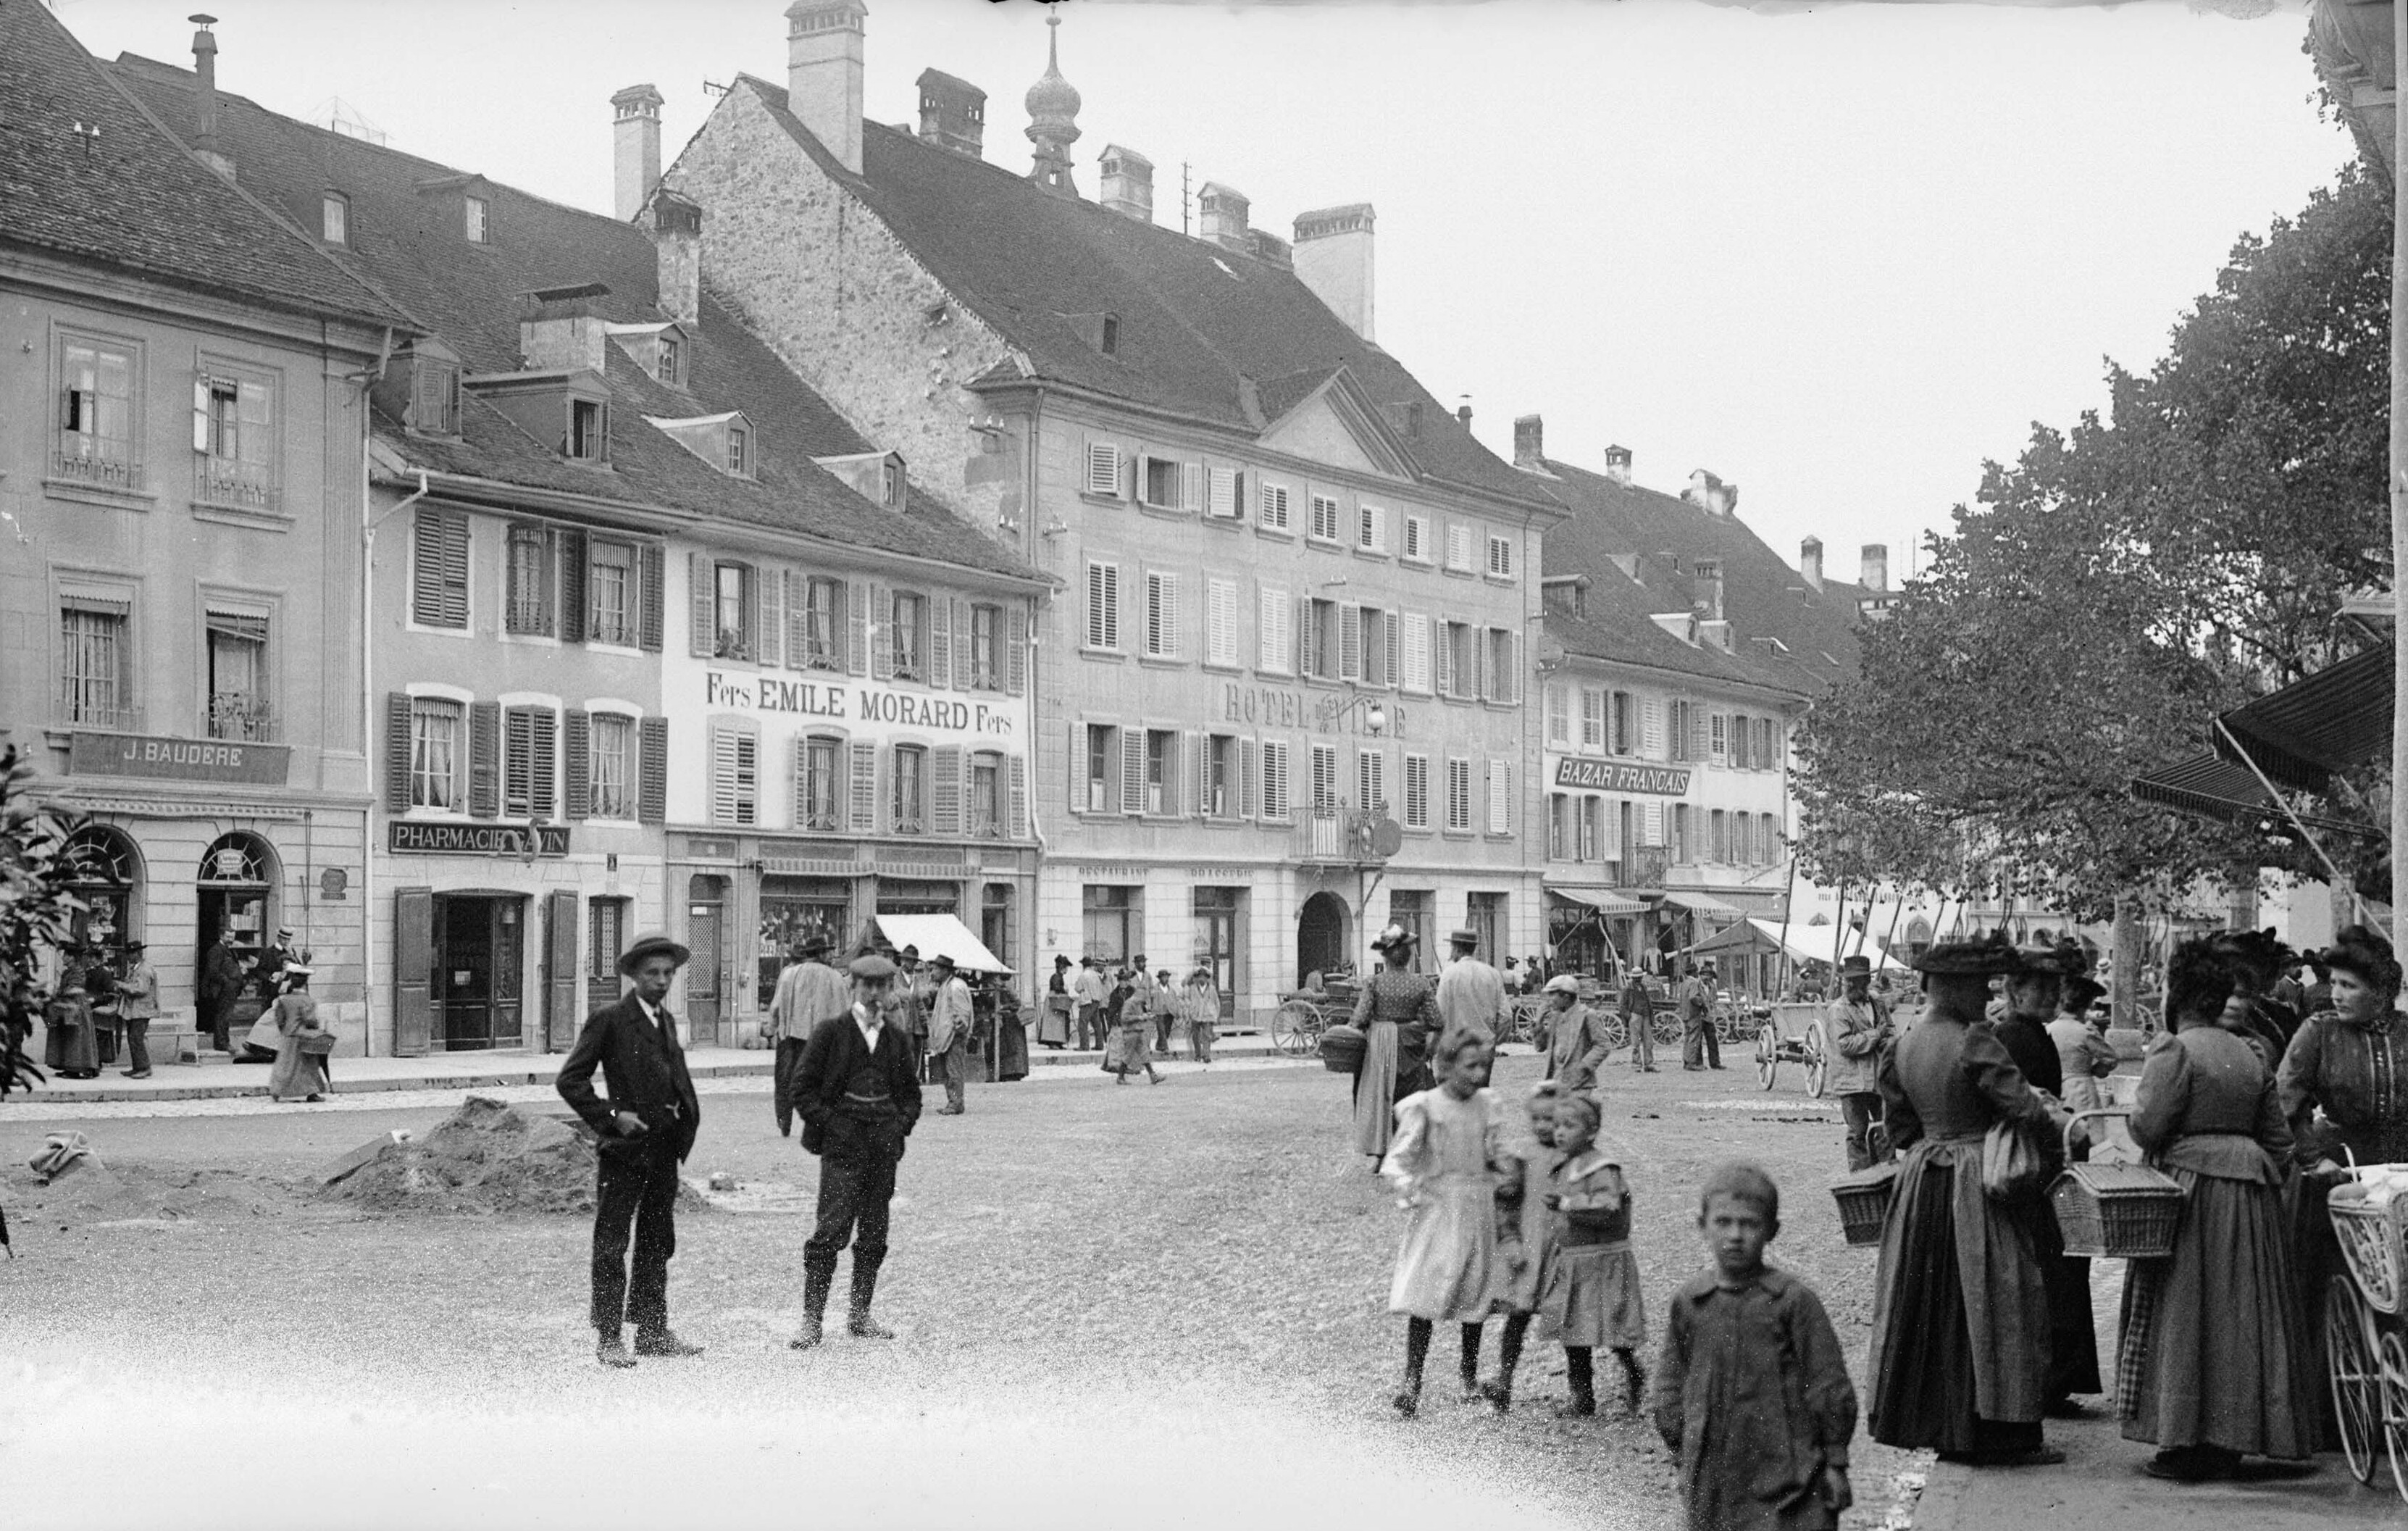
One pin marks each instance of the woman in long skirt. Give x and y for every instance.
(1960, 1312)
(2212, 1363)
(1053, 1023)
(300, 1074)
(1397, 1015)
(71, 1042)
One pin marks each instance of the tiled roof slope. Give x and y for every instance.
(1762, 595)
(1194, 318)
(471, 296)
(1614, 625)
(132, 197)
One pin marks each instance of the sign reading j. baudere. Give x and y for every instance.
(183, 760)
(1620, 776)
(863, 704)
(412, 838)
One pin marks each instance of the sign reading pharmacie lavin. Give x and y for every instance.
(416, 838)
(1622, 776)
(177, 760)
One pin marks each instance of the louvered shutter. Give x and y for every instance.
(881, 792)
(1500, 797)
(1103, 469)
(882, 633)
(856, 626)
(1243, 787)
(944, 635)
(1650, 730)
(701, 625)
(484, 759)
(1442, 640)
(966, 656)
(652, 770)
(946, 799)
(1074, 771)
(1302, 655)
(1017, 677)
(577, 760)
(1018, 769)
(1514, 667)
(861, 787)
(1226, 502)
(1349, 642)
(571, 544)
(1132, 770)
(1271, 650)
(1191, 486)
(1198, 793)
(544, 763)
(426, 569)
(1392, 628)
(799, 619)
(397, 746)
(648, 565)
(798, 784)
(771, 619)
(1700, 736)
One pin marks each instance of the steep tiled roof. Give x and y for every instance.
(1194, 318)
(1614, 624)
(131, 197)
(1666, 536)
(398, 239)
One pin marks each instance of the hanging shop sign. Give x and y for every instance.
(179, 760)
(412, 838)
(1622, 777)
(769, 694)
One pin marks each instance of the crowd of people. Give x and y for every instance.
(254, 1006)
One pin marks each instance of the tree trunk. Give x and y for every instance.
(2400, 485)
(2125, 981)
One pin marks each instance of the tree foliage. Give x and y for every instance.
(35, 908)
(2120, 582)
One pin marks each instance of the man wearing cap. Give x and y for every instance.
(808, 992)
(1638, 1019)
(949, 1035)
(1471, 995)
(858, 1093)
(1090, 991)
(1859, 1027)
(1577, 1042)
(137, 991)
(280, 955)
(646, 1128)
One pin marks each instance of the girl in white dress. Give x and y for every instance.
(1448, 1150)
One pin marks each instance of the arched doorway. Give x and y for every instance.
(106, 874)
(1320, 935)
(1918, 937)
(236, 894)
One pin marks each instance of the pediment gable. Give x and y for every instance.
(1334, 423)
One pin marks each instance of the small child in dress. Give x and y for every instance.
(1752, 1389)
(1592, 1287)
(1443, 1161)
(1524, 1237)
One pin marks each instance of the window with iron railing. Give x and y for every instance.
(610, 594)
(984, 674)
(613, 751)
(823, 624)
(823, 766)
(527, 604)
(233, 437)
(96, 394)
(238, 662)
(911, 636)
(95, 665)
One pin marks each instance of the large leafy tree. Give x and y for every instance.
(35, 908)
(2183, 551)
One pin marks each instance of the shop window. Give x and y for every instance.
(238, 677)
(1111, 917)
(1413, 909)
(995, 919)
(1484, 913)
(1557, 807)
(104, 872)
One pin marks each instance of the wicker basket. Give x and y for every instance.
(1864, 1200)
(2371, 1237)
(2114, 1212)
(1342, 1048)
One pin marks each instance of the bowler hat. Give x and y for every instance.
(1986, 958)
(817, 946)
(652, 943)
(871, 968)
(1858, 966)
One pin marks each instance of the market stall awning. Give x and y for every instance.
(2213, 787)
(1698, 903)
(1606, 901)
(940, 936)
(2333, 720)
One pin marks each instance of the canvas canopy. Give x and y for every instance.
(1755, 935)
(940, 936)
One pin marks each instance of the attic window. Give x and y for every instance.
(474, 219)
(335, 218)
(589, 431)
(434, 397)
(890, 484)
(672, 359)
(738, 452)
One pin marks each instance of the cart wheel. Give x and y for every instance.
(2357, 1386)
(1666, 1024)
(1818, 1059)
(1617, 1032)
(2395, 1409)
(1767, 1054)
(1295, 1026)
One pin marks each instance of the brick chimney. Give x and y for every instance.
(559, 329)
(1128, 183)
(953, 113)
(823, 69)
(1617, 463)
(635, 149)
(1221, 215)
(1463, 415)
(676, 245)
(205, 99)
(1706, 590)
(1810, 563)
(1876, 567)
(1529, 441)
(1266, 246)
(1708, 493)
(1333, 257)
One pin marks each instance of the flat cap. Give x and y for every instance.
(871, 968)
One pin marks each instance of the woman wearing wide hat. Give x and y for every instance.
(1397, 1015)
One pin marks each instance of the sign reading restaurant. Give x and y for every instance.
(179, 760)
(864, 704)
(410, 836)
(1623, 777)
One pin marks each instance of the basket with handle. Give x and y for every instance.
(1864, 1200)
(2371, 1235)
(2114, 1212)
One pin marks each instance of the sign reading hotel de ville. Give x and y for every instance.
(178, 760)
(769, 694)
(1623, 777)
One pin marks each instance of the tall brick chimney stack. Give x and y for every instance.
(677, 250)
(1617, 463)
(635, 149)
(1529, 441)
(1810, 563)
(824, 70)
(953, 113)
(1333, 257)
(205, 98)
(1876, 567)
(1128, 183)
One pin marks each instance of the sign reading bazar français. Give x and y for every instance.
(853, 704)
(1622, 776)
(410, 836)
(180, 760)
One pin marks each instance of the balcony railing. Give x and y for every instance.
(236, 715)
(83, 710)
(227, 480)
(1338, 836)
(73, 460)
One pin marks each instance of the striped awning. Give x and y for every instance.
(1606, 901)
(1699, 903)
(2299, 735)
(2213, 787)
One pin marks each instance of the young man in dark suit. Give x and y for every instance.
(646, 1127)
(858, 1091)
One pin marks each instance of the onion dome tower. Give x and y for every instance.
(1053, 117)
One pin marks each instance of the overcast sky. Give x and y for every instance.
(1839, 257)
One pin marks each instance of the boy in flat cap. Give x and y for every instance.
(858, 1091)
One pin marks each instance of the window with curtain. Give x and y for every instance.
(823, 624)
(437, 759)
(527, 605)
(911, 615)
(822, 763)
(613, 750)
(95, 656)
(610, 587)
(986, 794)
(237, 664)
(911, 790)
(97, 439)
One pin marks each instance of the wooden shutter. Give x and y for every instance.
(560, 970)
(1016, 676)
(652, 771)
(484, 759)
(649, 577)
(799, 617)
(861, 787)
(1651, 729)
(398, 747)
(576, 760)
(1349, 642)
(881, 632)
(1442, 640)
(413, 971)
(1394, 680)
(1132, 770)
(853, 623)
(1076, 772)
(945, 793)
(702, 628)
(771, 619)
(940, 642)
(1018, 767)
(1198, 794)
(434, 566)
(1271, 652)
(543, 763)
(1700, 736)
(722, 773)
(570, 547)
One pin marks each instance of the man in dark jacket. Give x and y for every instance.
(214, 990)
(858, 1091)
(646, 1127)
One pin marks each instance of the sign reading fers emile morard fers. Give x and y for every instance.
(177, 760)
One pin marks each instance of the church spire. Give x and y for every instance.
(1053, 117)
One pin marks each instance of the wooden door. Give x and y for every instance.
(413, 971)
(560, 970)
(509, 949)
(704, 983)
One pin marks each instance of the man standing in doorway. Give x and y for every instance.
(949, 1035)
(1090, 991)
(215, 988)
(1700, 1047)
(1638, 1019)
(858, 1093)
(1859, 1024)
(138, 989)
(808, 992)
(1471, 995)
(646, 1129)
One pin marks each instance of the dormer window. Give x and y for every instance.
(890, 484)
(474, 221)
(589, 431)
(738, 451)
(671, 361)
(335, 218)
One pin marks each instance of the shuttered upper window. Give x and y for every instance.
(1161, 615)
(1274, 506)
(439, 569)
(1275, 779)
(612, 767)
(1458, 794)
(1275, 632)
(1325, 518)
(527, 599)
(1221, 619)
(911, 807)
(1103, 469)
(529, 760)
(1103, 606)
(1417, 813)
(735, 774)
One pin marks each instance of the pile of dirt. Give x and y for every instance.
(488, 1156)
(93, 1194)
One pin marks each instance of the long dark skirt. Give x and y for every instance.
(1011, 1049)
(2072, 1336)
(2213, 1351)
(2316, 1259)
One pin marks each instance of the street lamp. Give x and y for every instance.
(1336, 710)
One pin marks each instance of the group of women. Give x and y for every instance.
(2219, 1353)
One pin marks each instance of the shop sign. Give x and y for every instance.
(769, 694)
(410, 836)
(178, 760)
(1275, 707)
(1622, 777)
